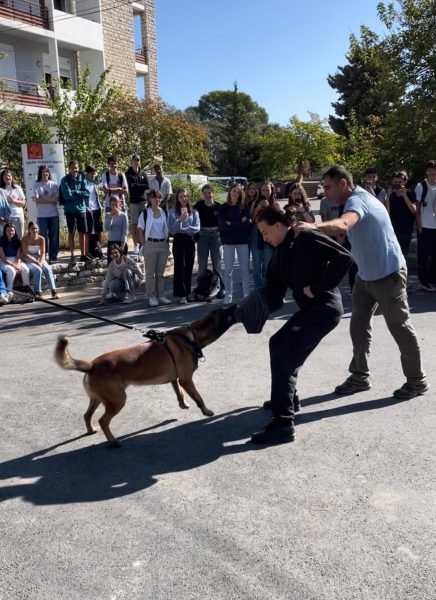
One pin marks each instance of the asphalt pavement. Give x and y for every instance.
(188, 508)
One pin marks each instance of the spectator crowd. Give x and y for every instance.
(118, 204)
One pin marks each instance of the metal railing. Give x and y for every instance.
(141, 55)
(26, 11)
(22, 92)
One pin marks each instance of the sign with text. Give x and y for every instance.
(34, 155)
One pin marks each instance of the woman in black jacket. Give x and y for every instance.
(311, 265)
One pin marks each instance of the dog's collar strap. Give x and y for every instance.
(197, 352)
(156, 336)
(160, 337)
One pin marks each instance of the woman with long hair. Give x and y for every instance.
(298, 199)
(261, 252)
(33, 249)
(11, 262)
(45, 194)
(183, 224)
(251, 193)
(311, 265)
(153, 236)
(234, 224)
(16, 200)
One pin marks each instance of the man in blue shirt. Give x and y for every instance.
(76, 195)
(381, 280)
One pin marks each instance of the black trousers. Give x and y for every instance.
(184, 254)
(427, 256)
(290, 347)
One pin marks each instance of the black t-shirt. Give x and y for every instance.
(208, 214)
(401, 218)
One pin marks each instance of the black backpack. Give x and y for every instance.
(208, 287)
(424, 193)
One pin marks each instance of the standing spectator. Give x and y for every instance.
(251, 194)
(75, 196)
(370, 184)
(33, 252)
(401, 206)
(45, 194)
(123, 276)
(261, 251)
(426, 224)
(329, 210)
(161, 184)
(183, 224)
(234, 223)
(153, 235)
(381, 280)
(93, 213)
(297, 198)
(117, 227)
(209, 239)
(11, 257)
(114, 184)
(137, 181)
(5, 211)
(16, 200)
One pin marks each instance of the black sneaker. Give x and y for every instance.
(54, 295)
(408, 391)
(267, 405)
(351, 386)
(275, 433)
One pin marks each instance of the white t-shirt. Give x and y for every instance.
(427, 212)
(114, 181)
(43, 189)
(164, 187)
(17, 193)
(91, 186)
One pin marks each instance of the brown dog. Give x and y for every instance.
(149, 363)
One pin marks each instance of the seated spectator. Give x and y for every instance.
(153, 236)
(183, 224)
(45, 194)
(16, 200)
(401, 206)
(123, 276)
(33, 252)
(117, 226)
(4, 295)
(11, 257)
(5, 211)
(297, 198)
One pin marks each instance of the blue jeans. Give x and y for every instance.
(261, 257)
(209, 242)
(49, 229)
(229, 261)
(37, 272)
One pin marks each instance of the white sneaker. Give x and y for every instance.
(137, 249)
(164, 300)
(153, 301)
(4, 300)
(228, 299)
(127, 298)
(10, 296)
(183, 300)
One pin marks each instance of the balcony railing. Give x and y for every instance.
(26, 11)
(22, 92)
(141, 55)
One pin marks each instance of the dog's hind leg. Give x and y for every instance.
(93, 404)
(189, 386)
(113, 404)
(179, 394)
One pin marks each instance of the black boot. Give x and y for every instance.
(279, 431)
(267, 405)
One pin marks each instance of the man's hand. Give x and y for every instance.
(303, 225)
(308, 292)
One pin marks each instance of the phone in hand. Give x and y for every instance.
(396, 186)
(184, 210)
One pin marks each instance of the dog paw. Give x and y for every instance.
(208, 413)
(92, 430)
(115, 444)
(184, 406)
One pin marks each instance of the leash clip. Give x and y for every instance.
(156, 336)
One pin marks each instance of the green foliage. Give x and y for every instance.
(16, 128)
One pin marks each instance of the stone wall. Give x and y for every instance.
(119, 48)
(148, 31)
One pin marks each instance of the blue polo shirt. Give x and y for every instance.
(374, 245)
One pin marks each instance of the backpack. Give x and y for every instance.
(120, 179)
(208, 287)
(424, 192)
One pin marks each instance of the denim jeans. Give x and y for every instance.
(261, 257)
(37, 272)
(209, 242)
(49, 229)
(229, 261)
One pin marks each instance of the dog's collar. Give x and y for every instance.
(161, 338)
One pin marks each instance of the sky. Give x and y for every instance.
(279, 51)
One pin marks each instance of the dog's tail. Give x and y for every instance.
(64, 360)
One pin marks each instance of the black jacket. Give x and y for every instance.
(138, 184)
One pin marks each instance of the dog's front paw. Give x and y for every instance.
(208, 413)
(184, 405)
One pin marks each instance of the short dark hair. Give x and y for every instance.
(275, 214)
(337, 172)
(370, 171)
(157, 166)
(73, 162)
(400, 175)
(431, 164)
(207, 186)
(89, 169)
(112, 158)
